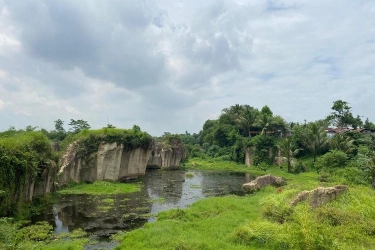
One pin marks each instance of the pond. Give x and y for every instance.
(104, 215)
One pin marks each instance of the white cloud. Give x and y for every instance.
(170, 65)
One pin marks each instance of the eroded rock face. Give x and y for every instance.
(165, 158)
(263, 181)
(112, 162)
(320, 195)
(42, 185)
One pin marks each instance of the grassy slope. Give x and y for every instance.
(238, 222)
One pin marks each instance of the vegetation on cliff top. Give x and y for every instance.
(23, 157)
(89, 140)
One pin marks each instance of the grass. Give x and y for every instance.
(189, 174)
(100, 188)
(263, 220)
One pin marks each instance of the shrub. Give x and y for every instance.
(23, 157)
(331, 160)
(300, 167)
(262, 234)
(351, 175)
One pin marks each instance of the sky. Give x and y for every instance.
(169, 65)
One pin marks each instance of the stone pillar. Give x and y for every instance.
(249, 156)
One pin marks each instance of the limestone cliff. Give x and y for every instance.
(165, 157)
(111, 162)
(40, 185)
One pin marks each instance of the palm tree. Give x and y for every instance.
(247, 119)
(264, 121)
(314, 139)
(286, 150)
(342, 143)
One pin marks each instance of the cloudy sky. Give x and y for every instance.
(169, 65)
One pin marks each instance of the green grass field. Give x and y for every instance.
(263, 220)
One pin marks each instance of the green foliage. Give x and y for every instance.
(342, 115)
(351, 176)
(15, 235)
(263, 234)
(262, 145)
(368, 124)
(264, 220)
(343, 143)
(285, 147)
(100, 188)
(23, 157)
(332, 160)
(277, 211)
(89, 140)
(314, 139)
(78, 125)
(171, 141)
(342, 224)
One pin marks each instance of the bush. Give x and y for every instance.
(224, 158)
(262, 234)
(23, 157)
(332, 160)
(300, 167)
(351, 176)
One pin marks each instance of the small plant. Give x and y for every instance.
(189, 174)
(78, 233)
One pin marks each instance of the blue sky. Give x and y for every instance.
(169, 65)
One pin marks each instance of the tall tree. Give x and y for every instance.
(59, 126)
(78, 125)
(266, 110)
(342, 116)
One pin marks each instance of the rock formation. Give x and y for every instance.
(111, 162)
(320, 195)
(42, 184)
(263, 181)
(165, 157)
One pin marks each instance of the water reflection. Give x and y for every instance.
(160, 191)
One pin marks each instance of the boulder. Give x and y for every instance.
(320, 195)
(263, 181)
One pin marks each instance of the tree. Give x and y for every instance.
(343, 143)
(59, 126)
(59, 133)
(78, 125)
(264, 122)
(266, 110)
(368, 124)
(342, 116)
(286, 149)
(314, 139)
(247, 119)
